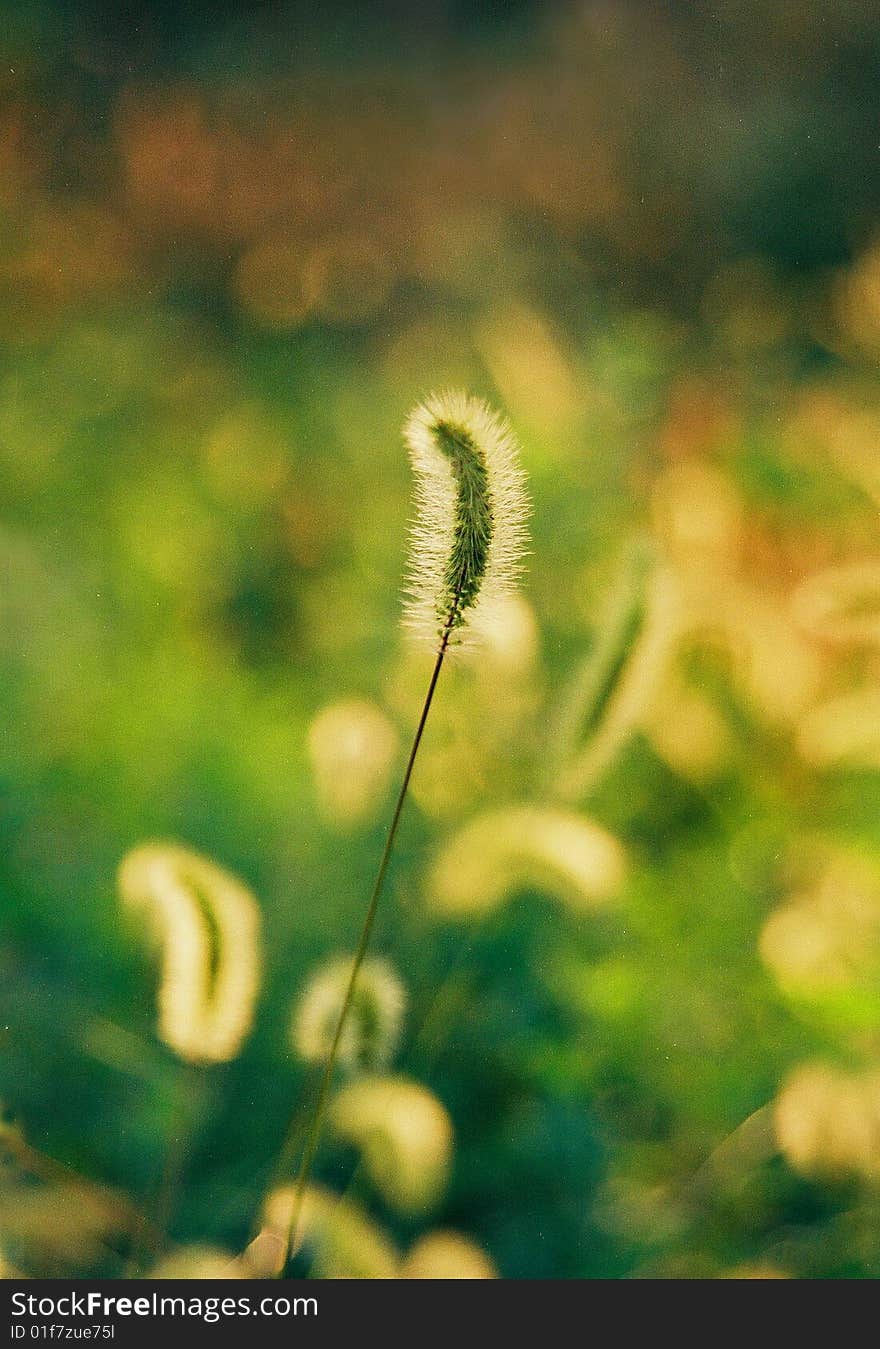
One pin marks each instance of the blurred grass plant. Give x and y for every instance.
(374, 1025)
(208, 928)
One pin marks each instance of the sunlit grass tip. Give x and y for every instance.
(447, 1255)
(373, 1027)
(342, 1240)
(468, 539)
(467, 545)
(405, 1137)
(208, 927)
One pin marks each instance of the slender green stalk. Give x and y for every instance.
(313, 1137)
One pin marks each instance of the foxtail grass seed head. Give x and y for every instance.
(824, 941)
(841, 604)
(343, 1241)
(208, 927)
(617, 631)
(447, 1255)
(373, 1027)
(404, 1134)
(469, 535)
(352, 746)
(60, 1224)
(526, 847)
(13, 1147)
(842, 731)
(614, 692)
(201, 1262)
(827, 1122)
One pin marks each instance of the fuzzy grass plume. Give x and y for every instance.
(375, 1021)
(469, 535)
(468, 541)
(404, 1134)
(208, 926)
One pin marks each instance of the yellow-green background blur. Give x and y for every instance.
(237, 243)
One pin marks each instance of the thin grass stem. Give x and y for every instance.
(313, 1137)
